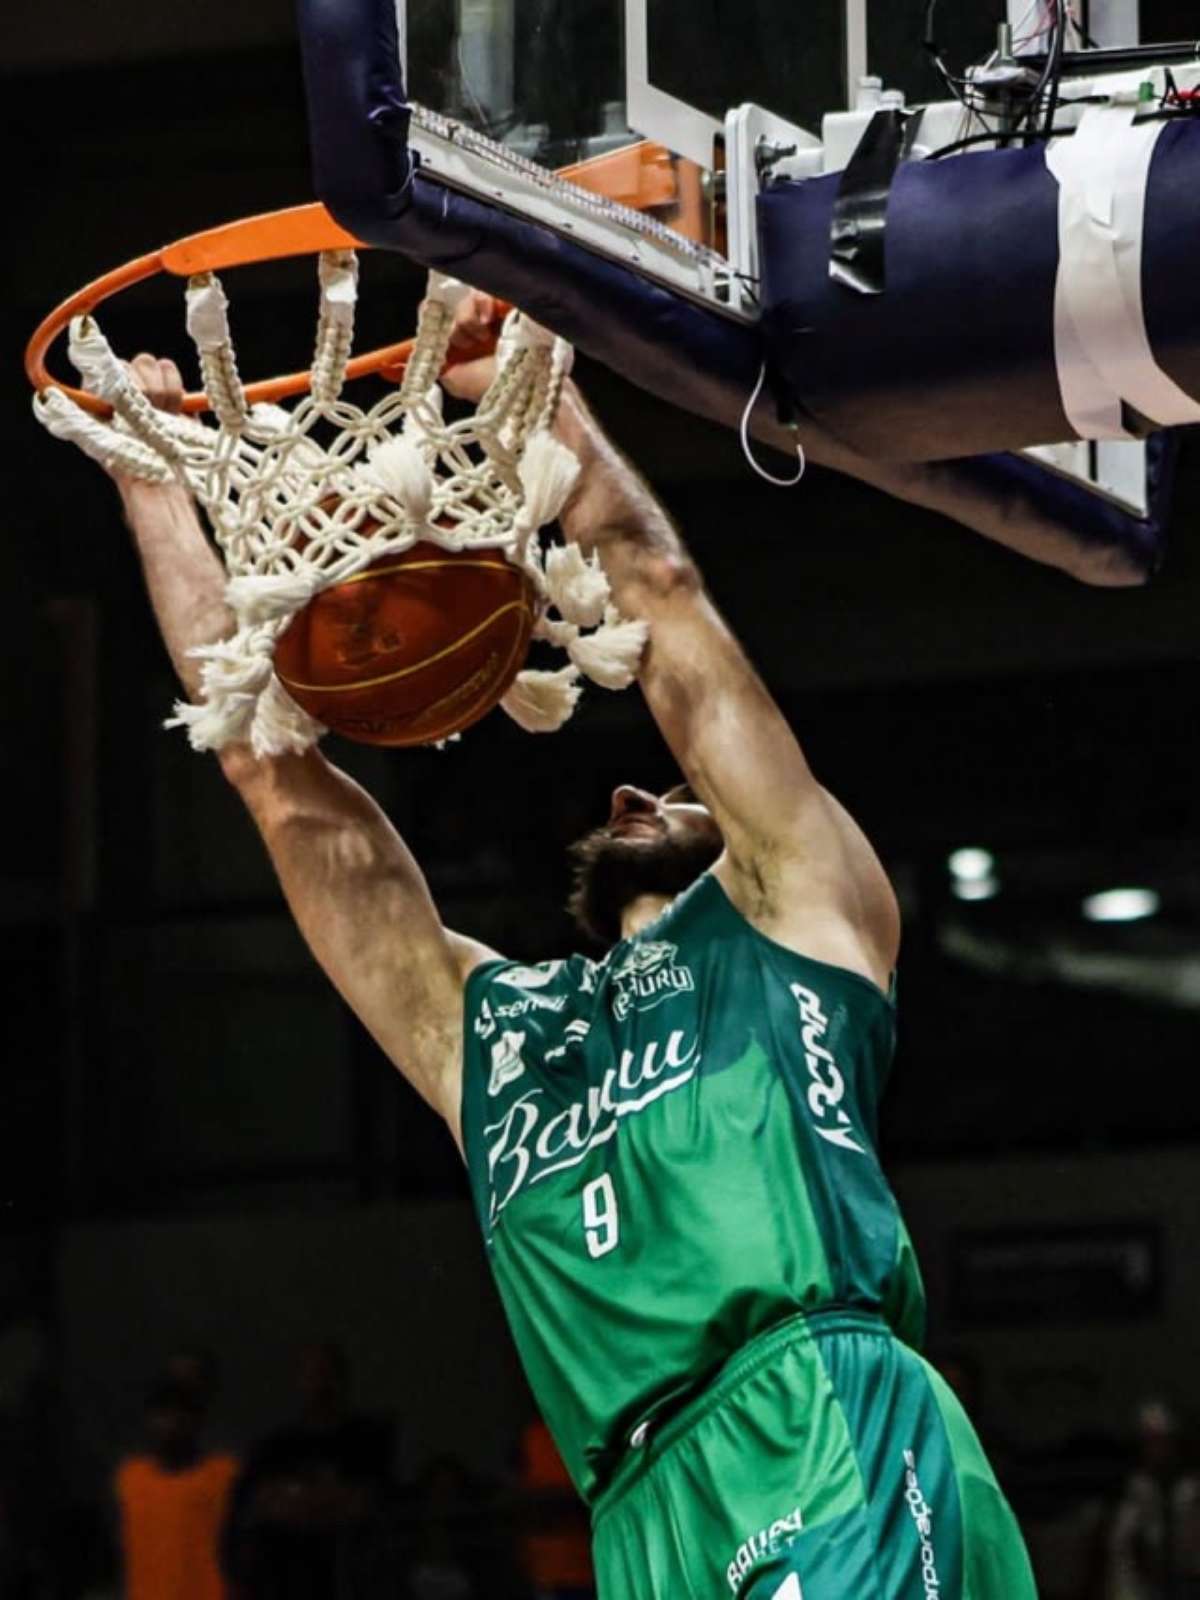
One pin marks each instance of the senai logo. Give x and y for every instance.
(828, 1086)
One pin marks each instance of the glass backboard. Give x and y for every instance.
(579, 86)
(544, 77)
(540, 87)
(563, 80)
(665, 107)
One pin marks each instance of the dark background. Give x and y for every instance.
(176, 1068)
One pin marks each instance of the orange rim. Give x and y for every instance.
(300, 230)
(644, 175)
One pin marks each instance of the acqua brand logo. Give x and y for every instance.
(828, 1087)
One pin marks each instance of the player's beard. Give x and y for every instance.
(610, 873)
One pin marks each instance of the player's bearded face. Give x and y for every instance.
(648, 846)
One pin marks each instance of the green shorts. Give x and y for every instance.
(827, 1461)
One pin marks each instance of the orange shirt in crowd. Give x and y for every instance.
(171, 1525)
(558, 1556)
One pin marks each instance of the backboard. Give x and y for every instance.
(510, 92)
(720, 88)
(714, 84)
(563, 80)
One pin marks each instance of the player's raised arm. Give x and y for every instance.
(355, 890)
(795, 863)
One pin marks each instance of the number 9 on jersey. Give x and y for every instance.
(601, 1221)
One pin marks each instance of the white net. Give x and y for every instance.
(305, 498)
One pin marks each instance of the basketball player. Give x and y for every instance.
(672, 1149)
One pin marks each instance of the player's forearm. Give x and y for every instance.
(183, 572)
(363, 906)
(613, 511)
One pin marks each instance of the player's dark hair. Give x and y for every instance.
(609, 873)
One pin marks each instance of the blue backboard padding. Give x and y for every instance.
(1171, 291)
(1094, 521)
(957, 355)
(951, 356)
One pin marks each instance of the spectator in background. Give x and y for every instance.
(1153, 1542)
(555, 1543)
(309, 1513)
(172, 1500)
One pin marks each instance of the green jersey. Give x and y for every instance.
(672, 1151)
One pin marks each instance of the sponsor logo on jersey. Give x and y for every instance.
(828, 1087)
(489, 1016)
(537, 1136)
(531, 977)
(510, 1010)
(922, 1517)
(507, 1065)
(766, 1542)
(647, 976)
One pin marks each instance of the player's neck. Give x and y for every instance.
(642, 911)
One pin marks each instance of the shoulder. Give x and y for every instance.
(515, 1012)
(521, 986)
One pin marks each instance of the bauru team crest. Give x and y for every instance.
(649, 974)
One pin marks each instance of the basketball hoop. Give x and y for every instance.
(303, 499)
(306, 499)
(298, 231)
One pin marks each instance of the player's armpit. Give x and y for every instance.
(469, 953)
(364, 908)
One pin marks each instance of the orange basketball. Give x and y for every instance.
(412, 649)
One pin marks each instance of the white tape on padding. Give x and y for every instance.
(1102, 347)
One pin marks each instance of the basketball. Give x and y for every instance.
(416, 647)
